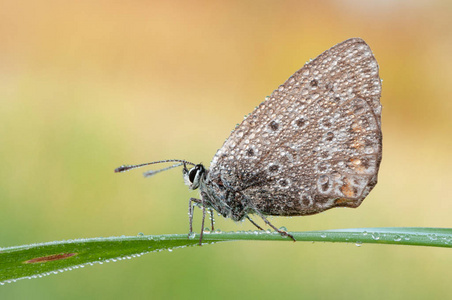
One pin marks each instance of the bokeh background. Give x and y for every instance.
(86, 86)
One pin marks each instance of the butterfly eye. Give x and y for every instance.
(192, 174)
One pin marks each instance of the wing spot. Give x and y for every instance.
(273, 168)
(274, 125)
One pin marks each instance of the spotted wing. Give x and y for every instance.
(315, 143)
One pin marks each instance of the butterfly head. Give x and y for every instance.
(195, 176)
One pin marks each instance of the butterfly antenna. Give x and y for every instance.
(180, 162)
(153, 172)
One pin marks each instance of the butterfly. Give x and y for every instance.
(314, 144)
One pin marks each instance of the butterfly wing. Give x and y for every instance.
(315, 143)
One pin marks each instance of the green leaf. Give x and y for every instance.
(37, 260)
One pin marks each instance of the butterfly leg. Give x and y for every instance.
(254, 223)
(281, 232)
(190, 216)
(190, 213)
(202, 223)
(212, 220)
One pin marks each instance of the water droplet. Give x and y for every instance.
(356, 161)
(376, 236)
(191, 235)
(323, 235)
(140, 234)
(369, 150)
(323, 179)
(397, 238)
(358, 243)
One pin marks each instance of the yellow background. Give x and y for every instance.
(86, 86)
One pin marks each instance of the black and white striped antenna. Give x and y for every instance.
(150, 173)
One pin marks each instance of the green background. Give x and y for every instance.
(86, 86)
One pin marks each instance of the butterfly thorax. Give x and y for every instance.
(215, 194)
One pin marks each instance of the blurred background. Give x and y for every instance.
(86, 86)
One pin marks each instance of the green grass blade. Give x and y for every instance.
(37, 260)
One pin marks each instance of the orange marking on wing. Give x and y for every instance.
(356, 127)
(347, 189)
(357, 165)
(357, 144)
(342, 201)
